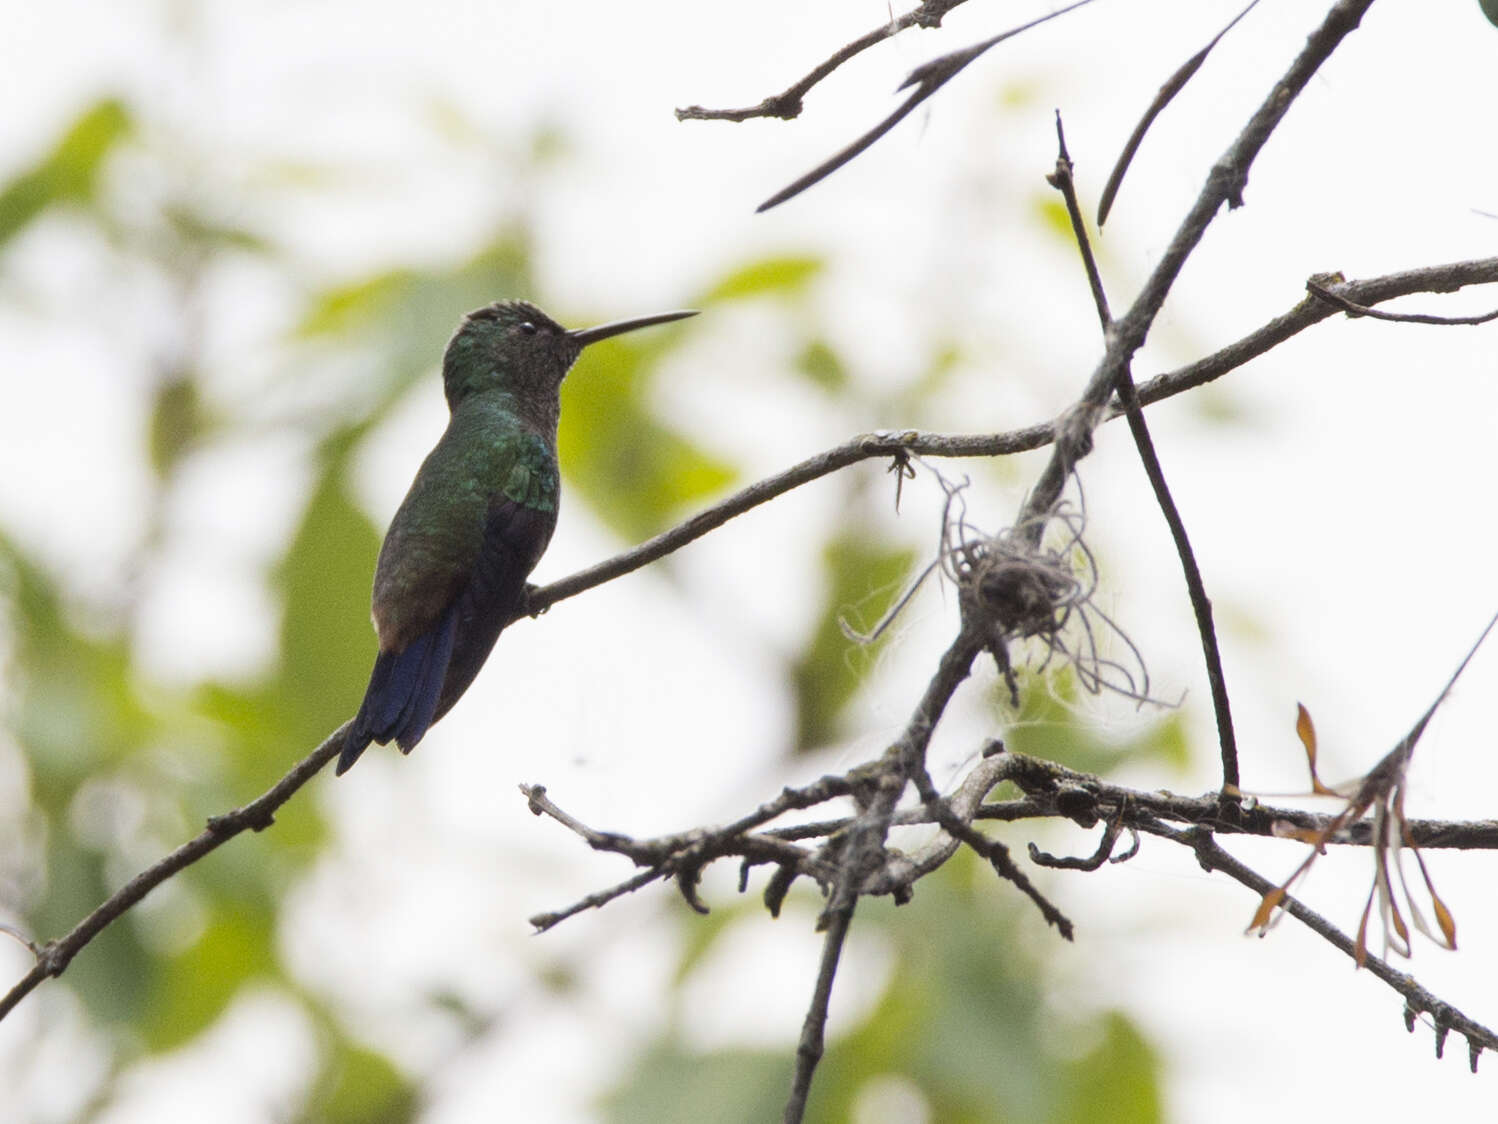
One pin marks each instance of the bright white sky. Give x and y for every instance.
(1346, 511)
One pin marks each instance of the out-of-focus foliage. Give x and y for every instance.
(967, 1019)
(863, 576)
(323, 582)
(634, 469)
(117, 766)
(402, 317)
(1048, 726)
(782, 276)
(68, 174)
(358, 1086)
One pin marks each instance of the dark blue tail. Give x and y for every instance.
(403, 692)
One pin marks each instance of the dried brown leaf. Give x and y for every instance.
(1267, 905)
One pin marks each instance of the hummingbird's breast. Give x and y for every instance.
(489, 457)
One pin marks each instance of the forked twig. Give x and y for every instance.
(1315, 287)
(925, 79)
(787, 104)
(1196, 589)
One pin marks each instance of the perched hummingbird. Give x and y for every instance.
(479, 514)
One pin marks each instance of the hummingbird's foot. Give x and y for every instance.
(529, 596)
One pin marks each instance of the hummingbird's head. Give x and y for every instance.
(515, 347)
(509, 345)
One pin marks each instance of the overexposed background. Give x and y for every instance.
(1337, 491)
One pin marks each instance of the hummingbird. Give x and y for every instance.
(452, 570)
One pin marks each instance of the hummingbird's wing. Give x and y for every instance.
(438, 619)
(401, 700)
(515, 537)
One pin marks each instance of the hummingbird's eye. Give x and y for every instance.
(528, 328)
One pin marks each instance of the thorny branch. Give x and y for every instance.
(53, 957)
(1417, 1000)
(1050, 791)
(850, 856)
(1073, 442)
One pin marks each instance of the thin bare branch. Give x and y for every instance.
(1163, 97)
(1196, 589)
(814, 1026)
(1056, 792)
(1353, 309)
(1224, 185)
(897, 443)
(1310, 310)
(1103, 854)
(925, 79)
(1417, 1001)
(1052, 790)
(54, 957)
(543, 921)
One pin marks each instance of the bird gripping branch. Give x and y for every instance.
(452, 570)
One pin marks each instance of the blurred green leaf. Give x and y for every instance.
(204, 234)
(116, 975)
(404, 317)
(389, 307)
(258, 738)
(863, 579)
(822, 366)
(671, 1086)
(1050, 725)
(359, 1086)
(357, 305)
(197, 985)
(1051, 212)
(703, 934)
(944, 360)
(966, 1017)
(67, 174)
(76, 706)
(327, 643)
(176, 422)
(1116, 1082)
(966, 1012)
(632, 468)
(782, 276)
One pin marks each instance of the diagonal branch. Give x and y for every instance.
(814, 1026)
(1308, 312)
(1163, 97)
(1224, 185)
(863, 848)
(53, 957)
(1417, 1000)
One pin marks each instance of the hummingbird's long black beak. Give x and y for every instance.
(585, 336)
